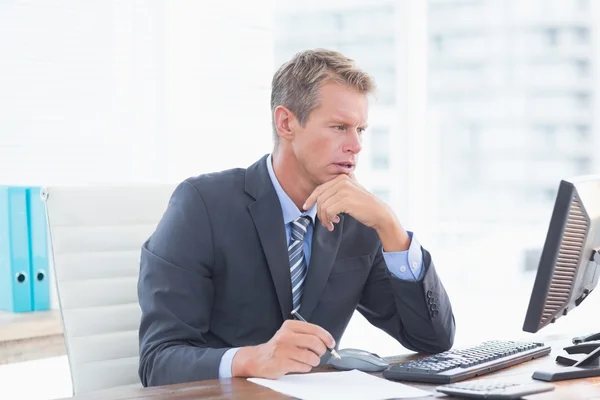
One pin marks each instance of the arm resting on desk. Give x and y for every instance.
(175, 292)
(416, 313)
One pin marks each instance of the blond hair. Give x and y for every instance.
(297, 82)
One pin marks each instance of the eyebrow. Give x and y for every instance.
(342, 122)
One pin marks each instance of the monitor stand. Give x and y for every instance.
(573, 368)
(586, 338)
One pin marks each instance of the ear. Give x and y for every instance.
(285, 121)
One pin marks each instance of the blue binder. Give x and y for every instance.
(38, 250)
(15, 286)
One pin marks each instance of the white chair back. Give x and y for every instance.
(96, 234)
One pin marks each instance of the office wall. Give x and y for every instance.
(125, 91)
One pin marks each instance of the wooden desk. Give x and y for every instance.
(238, 388)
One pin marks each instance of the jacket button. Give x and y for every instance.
(429, 294)
(433, 307)
(434, 313)
(430, 300)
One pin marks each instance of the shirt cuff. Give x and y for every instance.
(406, 265)
(226, 363)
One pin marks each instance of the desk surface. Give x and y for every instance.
(238, 388)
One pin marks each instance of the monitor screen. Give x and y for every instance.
(568, 267)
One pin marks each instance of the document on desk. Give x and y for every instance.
(347, 385)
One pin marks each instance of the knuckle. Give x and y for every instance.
(318, 346)
(280, 338)
(317, 360)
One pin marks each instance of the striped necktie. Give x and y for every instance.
(297, 260)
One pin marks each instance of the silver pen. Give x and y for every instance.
(301, 318)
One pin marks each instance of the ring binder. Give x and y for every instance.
(23, 250)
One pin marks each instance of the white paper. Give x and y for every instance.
(347, 385)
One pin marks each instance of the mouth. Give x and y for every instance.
(345, 168)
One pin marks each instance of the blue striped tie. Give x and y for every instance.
(297, 260)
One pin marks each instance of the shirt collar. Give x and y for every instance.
(289, 209)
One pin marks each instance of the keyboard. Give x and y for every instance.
(457, 365)
(493, 389)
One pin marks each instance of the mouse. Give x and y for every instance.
(358, 359)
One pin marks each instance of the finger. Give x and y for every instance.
(291, 366)
(331, 207)
(310, 342)
(332, 196)
(304, 356)
(330, 191)
(320, 189)
(312, 329)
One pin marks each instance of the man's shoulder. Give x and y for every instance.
(218, 183)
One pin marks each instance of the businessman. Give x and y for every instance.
(236, 251)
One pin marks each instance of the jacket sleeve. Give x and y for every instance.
(175, 292)
(417, 313)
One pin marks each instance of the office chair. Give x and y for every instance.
(95, 235)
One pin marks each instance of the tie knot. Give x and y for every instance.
(299, 227)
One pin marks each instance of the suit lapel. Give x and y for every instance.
(325, 246)
(268, 220)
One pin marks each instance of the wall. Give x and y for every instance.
(132, 91)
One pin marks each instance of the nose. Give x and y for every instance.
(353, 143)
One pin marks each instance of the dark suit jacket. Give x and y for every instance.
(215, 275)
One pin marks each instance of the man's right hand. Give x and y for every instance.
(296, 347)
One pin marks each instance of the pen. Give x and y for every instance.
(301, 318)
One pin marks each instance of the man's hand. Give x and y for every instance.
(296, 347)
(344, 194)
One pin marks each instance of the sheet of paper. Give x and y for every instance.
(347, 385)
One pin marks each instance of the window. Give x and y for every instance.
(382, 194)
(582, 68)
(438, 42)
(338, 19)
(474, 137)
(531, 258)
(582, 100)
(546, 135)
(380, 143)
(583, 5)
(551, 36)
(582, 165)
(549, 194)
(381, 161)
(583, 131)
(582, 35)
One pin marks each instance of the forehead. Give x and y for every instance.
(342, 102)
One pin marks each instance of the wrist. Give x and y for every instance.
(391, 234)
(242, 363)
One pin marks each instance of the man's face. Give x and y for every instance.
(329, 143)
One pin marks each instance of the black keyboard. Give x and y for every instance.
(457, 365)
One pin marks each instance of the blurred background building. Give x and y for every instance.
(508, 88)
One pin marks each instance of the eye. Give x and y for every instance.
(361, 130)
(339, 128)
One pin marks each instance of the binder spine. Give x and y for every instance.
(15, 261)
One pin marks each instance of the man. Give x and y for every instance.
(238, 250)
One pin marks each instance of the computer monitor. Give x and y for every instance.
(568, 270)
